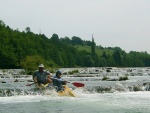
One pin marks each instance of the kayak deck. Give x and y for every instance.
(67, 92)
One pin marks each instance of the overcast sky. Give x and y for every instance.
(122, 23)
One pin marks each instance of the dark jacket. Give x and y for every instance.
(58, 82)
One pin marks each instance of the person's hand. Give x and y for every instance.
(49, 76)
(49, 80)
(35, 79)
(66, 82)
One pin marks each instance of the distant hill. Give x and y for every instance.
(99, 51)
(27, 50)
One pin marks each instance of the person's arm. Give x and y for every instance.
(48, 74)
(35, 78)
(49, 78)
(60, 80)
(64, 82)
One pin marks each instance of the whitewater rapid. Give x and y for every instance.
(125, 102)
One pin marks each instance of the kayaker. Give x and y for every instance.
(42, 76)
(58, 82)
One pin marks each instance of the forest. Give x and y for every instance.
(25, 49)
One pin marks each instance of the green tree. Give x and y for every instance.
(104, 55)
(55, 39)
(76, 41)
(93, 47)
(102, 62)
(117, 58)
(88, 61)
(30, 63)
(65, 40)
(27, 29)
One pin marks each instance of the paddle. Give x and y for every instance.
(29, 84)
(77, 84)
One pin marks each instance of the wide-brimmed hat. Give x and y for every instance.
(41, 65)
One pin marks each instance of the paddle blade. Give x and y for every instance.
(29, 84)
(77, 84)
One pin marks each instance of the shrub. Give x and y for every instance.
(136, 88)
(105, 78)
(123, 78)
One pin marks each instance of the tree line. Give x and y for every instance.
(27, 50)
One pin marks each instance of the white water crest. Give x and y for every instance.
(127, 102)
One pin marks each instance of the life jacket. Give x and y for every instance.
(58, 83)
(41, 76)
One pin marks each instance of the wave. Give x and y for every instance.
(104, 87)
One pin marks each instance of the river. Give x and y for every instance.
(98, 96)
(126, 102)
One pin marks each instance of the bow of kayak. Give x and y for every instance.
(67, 92)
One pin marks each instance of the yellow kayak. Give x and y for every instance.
(67, 92)
(42, 86)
